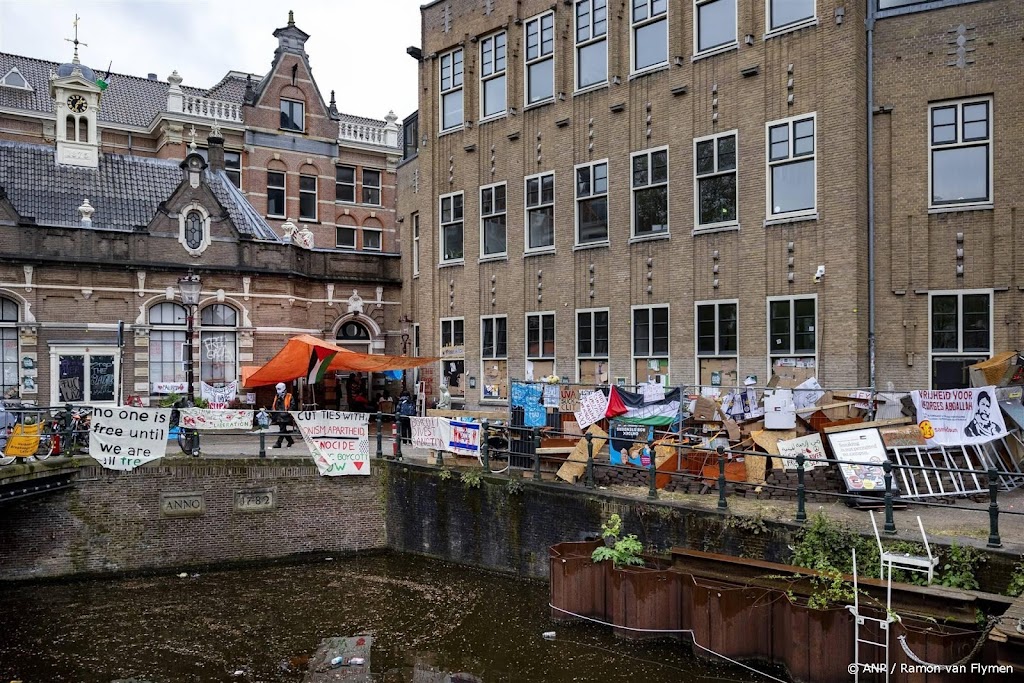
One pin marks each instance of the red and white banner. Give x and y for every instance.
(202, 418)
(339, 442)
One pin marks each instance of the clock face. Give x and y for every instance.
(77, 104)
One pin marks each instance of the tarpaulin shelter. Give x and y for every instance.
(309, 357)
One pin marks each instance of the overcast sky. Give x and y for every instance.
(356, 47)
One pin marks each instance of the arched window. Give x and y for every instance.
(167, 346)
(354, 336)
(83, 129)
(70, 132)
(218, 344)
(194, 229)
(9, 342)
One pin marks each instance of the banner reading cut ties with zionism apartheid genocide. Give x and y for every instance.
(122, 438)
(339, 442)
(955, 417)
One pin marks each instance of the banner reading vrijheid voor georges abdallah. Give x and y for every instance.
(339, 442)
(955, 417)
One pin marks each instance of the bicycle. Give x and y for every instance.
(188, 439)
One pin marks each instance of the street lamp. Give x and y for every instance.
(189, 288)
(405, 343)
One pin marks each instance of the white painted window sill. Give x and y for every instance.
(591, 88)
(450, 264)
(539, 252)
(649, 238)
(491, 258)
(791, 219)
(722, 49)
(783, 30)
(592, 245)
(536, 105)
(957, 209)
(649, 70)
(728, 227)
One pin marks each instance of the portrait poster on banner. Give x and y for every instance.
(861, 454)
(430, 432)
(202, 418)
(958, 417)
(123, 438)
(528, 397)
(339, 442)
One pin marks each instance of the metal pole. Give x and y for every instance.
(801, 494)
(485, 451)
(652, 471)
(263, 443)
(993, 509)
(380, 435)
(536, 453)
(398, 436)
(890, 523)
(722, 503)
(190, 369)
(589, 483)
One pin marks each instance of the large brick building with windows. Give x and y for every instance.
(680, 190)
(112, 187)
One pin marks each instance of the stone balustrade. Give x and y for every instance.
(208, 108)
(383, 135)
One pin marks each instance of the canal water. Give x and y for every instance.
(427, 619)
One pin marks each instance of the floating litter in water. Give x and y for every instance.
(357, 661)
(238, 673)
(183, 575)
(328, 558)
(337, 660)
(548, 635)
(195, 576)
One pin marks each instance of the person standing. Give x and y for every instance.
(283, 403)
(406, 409)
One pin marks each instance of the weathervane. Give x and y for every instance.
(76, 42)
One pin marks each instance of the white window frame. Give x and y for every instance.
(539, 177)
(302, 105)
(380, 238)
(491, 188)
(10, 327)
(315, 193)
(494, 75)
(527, 63)
(587, 42)
(650, 341)
(960, 353)
(14, 70)
(718, 353)
(379, 186)
(697, 177)
(337, 241)
(284, 191)
(697, 52)
(440, 216)
(593, 195)
(415, 221)
(344, 184)
(593, 355)
(633, 190)
(634, 26)
(452, 89)
(233, 174)
(183, 215)
(789, 121)
(988, 141)
(226, 330)
(461, 396)
(791, 353)
(87, 352)
(494, 355)
(770, 31)
(540, 341)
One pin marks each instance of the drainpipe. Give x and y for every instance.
(869, 23)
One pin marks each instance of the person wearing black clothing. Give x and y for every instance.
(406, 409)
(283, 403)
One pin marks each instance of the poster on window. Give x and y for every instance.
(339, 442)
(958, 417)
(219, 397)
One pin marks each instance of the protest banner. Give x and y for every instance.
(465, 438)
(528, 397)
(862, 454)
(202, 418)
(430, 432)
(170, 387)
(811, 448)
(219, 397)
(592, 408)
(958, 417)
(339, 442)
(122, 438)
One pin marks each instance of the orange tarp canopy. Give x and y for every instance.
(292, 361)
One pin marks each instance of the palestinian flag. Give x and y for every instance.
(627, 406)
(319, 359)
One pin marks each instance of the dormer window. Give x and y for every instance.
(14, 79)
(292, 115)
(194, 228)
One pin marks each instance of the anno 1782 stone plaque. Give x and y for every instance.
(183, 504)
(256, 500)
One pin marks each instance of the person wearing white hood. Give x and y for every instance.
(283, 403)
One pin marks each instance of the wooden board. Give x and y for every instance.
(478, 414)
(576, 466)
(868, 425)
(769, 439)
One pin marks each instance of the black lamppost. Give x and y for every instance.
(405, 343)
(189, 288)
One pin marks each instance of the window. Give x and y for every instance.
(714, 25)
(275, 194)
(346, 237)
(371, 187)
(494, 357)
(961, 153)
(592, 346)
(791, 333)
(345, 184)
(292, 116)
(411, 137)
(492, 75)
(453, 355)
(540, 345)
(650, 34)
(715, 171)
(451, 90)
(194, 230)
(167, 353)
(540, 211)
(492, 220)
(650, 343)
(14, 79)
(716, 329)
(592, 203)
(650, 193)
(86, 374)
(540, 58)
(233, 167)
(791, 168)
(307, 197)
(218, 343)
(415, 245)
(10, 373)
(591, 43)
(961, 335)
(372, 239)
(451, 227)
(785, 13)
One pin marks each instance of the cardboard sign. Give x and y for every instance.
(811, 448)
(202, 418)
(592, 408)
(23, 441)
(430, 432)
(552, 396)
(339, 442)
(122, 438)
(863, 454)
(653, 392)
(956, 417)
(465, 438)
(907, 436)
(568, 399)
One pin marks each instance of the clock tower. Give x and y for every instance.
(76, 102)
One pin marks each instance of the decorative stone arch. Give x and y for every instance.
(220, 298)
(277, 166)
(309, 169)
(377, 337)
(24, 306)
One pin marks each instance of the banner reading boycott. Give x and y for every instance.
(430, 432)
(955, 417)
(122, 438)
(201, 418)
(339, 442)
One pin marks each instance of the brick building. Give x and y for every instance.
(680, 190)
(280, 203)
